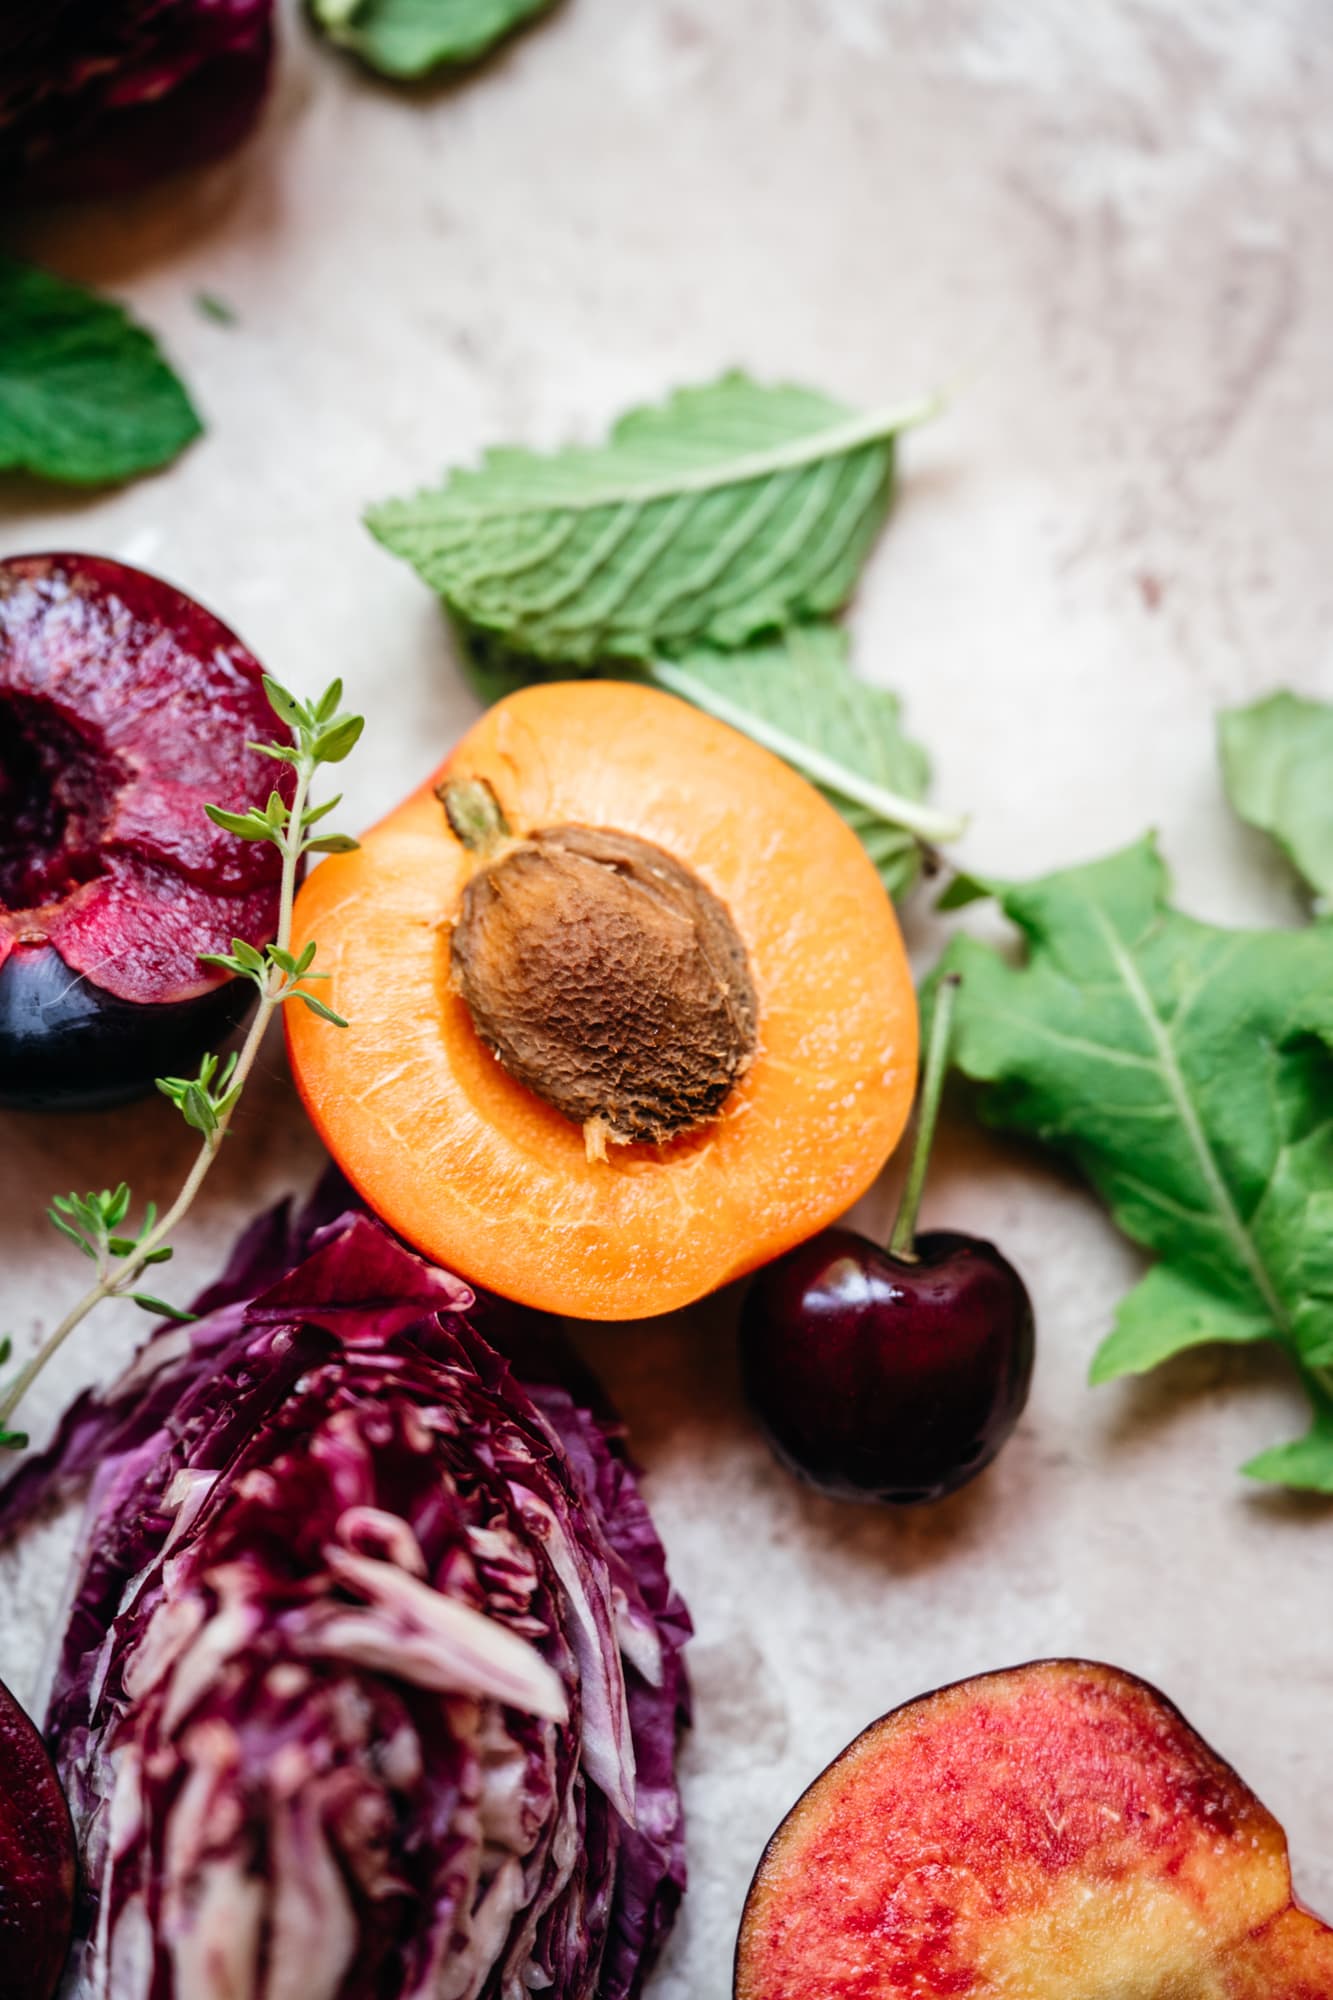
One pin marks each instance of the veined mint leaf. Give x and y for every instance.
(1187, 1071)
(85, 395)
(408, 38)
(1277, 760)
(798, 696)
(727, 512)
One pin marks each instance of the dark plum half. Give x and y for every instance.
(125, 709)
(36, 1861)
(97, 99)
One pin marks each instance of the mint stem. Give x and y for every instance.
(902, 1242)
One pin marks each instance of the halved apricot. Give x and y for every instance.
(630, 1012)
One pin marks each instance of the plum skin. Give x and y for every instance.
(37, 1867)
(879, 1379)
(66, 1045)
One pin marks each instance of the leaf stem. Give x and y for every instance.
(924, 821)
(125, 1277)
(902, 1241)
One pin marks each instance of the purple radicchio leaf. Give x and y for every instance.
(373, 1677)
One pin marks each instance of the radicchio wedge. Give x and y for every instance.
(372, 1681)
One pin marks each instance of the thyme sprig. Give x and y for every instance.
(98, 1223)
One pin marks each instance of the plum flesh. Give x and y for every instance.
(1057, 1832)
(36, 1861)
(125, 708)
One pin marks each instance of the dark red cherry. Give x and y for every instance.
(890, 1374)
(876, 1379)
(125, 709)
(36, 1861)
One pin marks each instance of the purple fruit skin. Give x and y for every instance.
(97, 100)
(880, 1380)
(36, 1861)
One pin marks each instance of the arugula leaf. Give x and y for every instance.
(796, 695)
(408, 38)
(1187, 1071)
(729, 511)
(85, 395)
(1277, 761)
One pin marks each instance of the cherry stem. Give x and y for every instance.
(902, 1242)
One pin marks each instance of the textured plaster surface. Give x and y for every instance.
(1107, 227)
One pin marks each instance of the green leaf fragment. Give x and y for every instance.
(331, 843)
(317, 1006)
(85, 395)
(1187, 1071)
(1277, 762)
(799, 697)
(163, 1308)
(13, 1440)
(409, 38)
(727, 512)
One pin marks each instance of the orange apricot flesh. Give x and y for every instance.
(471, 1165)
(1057, 1832)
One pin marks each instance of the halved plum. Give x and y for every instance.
(36, 1861)
(125, 709)
(1056, 1832)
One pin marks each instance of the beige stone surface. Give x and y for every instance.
(1107, 227)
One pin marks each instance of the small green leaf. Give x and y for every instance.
(285, 705)
(338, 739)
(245, 826)
(1307, 1463)
(209, 306)
(197, 1110)
(68, 1229)
(163, 1309)
(329, 702)
(284, 960)
(118, 1207)
(730, 511)
(85, 395)
(121, 1246)
(314, 813)
(276, 811)
(331, 843)
(409, 38)
(13, 1440)
(279, 751)
(967, 887)
(307, 958)
(317, 1006)
(1277, 762)
(162, 1255)
(6, 1348)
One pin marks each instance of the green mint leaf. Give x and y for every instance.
(1277, 761)
(1188, 1072)
(316, 1006)
(727, 512)
(13, 1440)
(163, 1309)
(85, 395)
(799, 697)
(409, 38)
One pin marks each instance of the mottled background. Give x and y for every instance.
(1109, 230)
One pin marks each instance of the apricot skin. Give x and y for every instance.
(1056, 1832)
